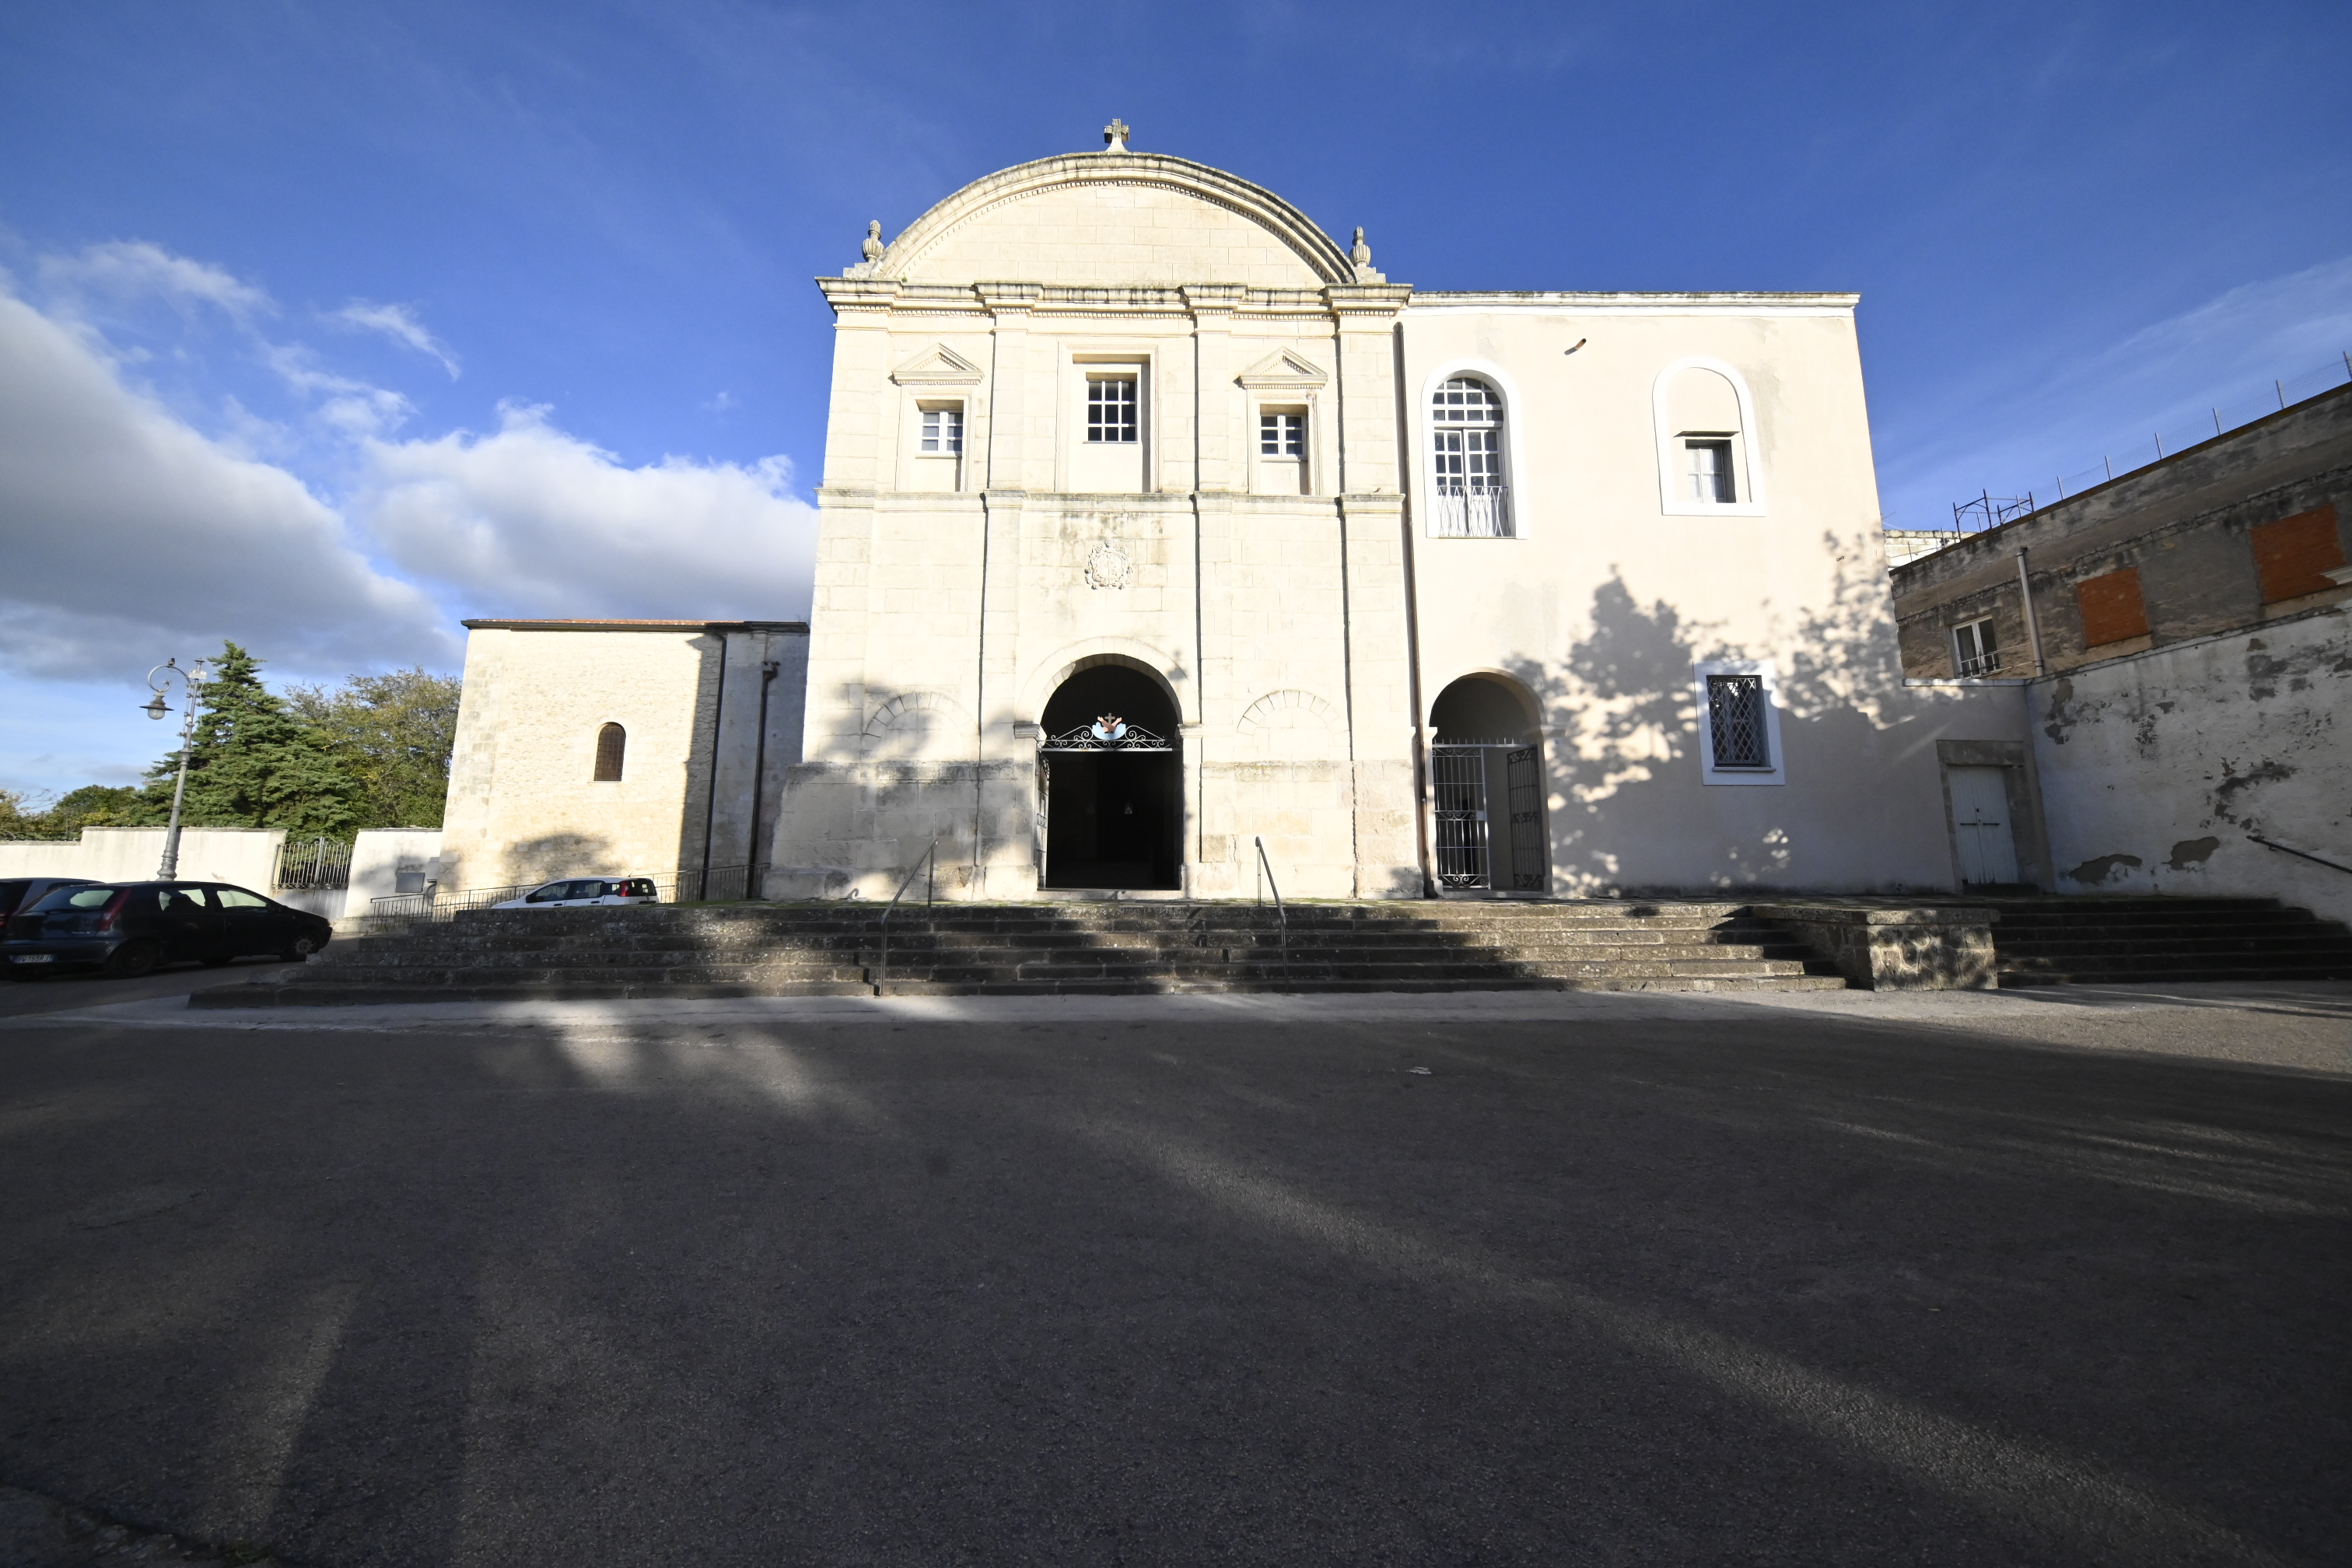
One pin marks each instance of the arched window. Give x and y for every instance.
(1708, 461)
(1469, 499)
(612, 743)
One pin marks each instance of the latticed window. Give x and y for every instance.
(1466, 460)
(1282, 435)
(942, 431)
(612, 743)
(1111, 409)
(1736, 721)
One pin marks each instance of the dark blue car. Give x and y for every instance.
(131, 928)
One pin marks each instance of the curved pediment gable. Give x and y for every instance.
(1114, 218)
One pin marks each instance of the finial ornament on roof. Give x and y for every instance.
(872, 248)
(1361, 255)
(1115, 135)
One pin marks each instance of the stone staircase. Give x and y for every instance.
(2090, 940)
(804, 949)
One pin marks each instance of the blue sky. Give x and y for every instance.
(323, 325)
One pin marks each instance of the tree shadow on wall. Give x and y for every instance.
(557, 855)
(1625, 768)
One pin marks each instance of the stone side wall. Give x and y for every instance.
(2158, 770)
(242, 856)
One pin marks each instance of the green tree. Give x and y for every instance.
(393, 735)
(255, 764)
(92, 806)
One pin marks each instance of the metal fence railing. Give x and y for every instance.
(711, 885)
(312, 864)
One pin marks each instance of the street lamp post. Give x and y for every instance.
(158, 679)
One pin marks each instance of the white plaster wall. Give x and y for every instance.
(378, 857)
(1601, 606)
(242, 856)
(2155, 768)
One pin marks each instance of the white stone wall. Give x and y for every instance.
(1303, 636)
(524, 804)
(1607, 599)
(2155, 768)
(242, 857)
(385, 861)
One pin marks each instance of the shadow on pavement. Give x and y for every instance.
(1753, 1286)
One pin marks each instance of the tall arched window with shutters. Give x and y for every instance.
(1469, 498)
(612, 744)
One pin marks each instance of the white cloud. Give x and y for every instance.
(534, 521)
(397, 323)
(128, 535)
(136, 269)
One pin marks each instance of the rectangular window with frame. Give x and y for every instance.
(1707, 464)
(1282, 435)
(1736, 721)
(942, 432)
(1975, 649)
(1112, 409)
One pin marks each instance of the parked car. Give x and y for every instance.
(23, 893)
(131, 928)
(582, 892)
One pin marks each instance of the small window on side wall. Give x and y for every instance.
(1112, 409)
(1708, 468)
(1974, 649)
(1708, 457)
(612, 744)
(1738, 724)
(1282, 433)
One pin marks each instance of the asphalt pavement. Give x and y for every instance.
(2042, 1278)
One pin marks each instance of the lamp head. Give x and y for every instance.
(155, 710)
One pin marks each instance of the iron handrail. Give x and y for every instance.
(931, 891)
(1266, 876)
(2299, 854)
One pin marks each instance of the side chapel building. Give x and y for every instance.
(1156, 524)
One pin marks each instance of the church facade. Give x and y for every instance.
(1160, 532)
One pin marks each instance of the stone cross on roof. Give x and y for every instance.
(1115, 136)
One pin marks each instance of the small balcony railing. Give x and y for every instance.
(1458, 512)
(1982, 664)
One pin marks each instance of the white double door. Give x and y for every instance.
(1980, 814)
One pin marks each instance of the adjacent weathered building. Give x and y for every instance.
(2186, 658)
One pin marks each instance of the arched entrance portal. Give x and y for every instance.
(1485, 785)
(1110, 789)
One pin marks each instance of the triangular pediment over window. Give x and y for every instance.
(1282, 370)
(938, 365)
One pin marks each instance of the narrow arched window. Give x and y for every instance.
(612, 742)
(1470, 499)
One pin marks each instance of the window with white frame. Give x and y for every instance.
(1469, 499)
(942, 432)
(1707, 467)
(1736, 731)
(1111, 410)
(1282, 434)
(1975, 651)
(1739, 722)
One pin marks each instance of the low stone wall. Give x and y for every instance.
(1935, 948)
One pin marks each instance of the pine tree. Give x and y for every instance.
(254, 764)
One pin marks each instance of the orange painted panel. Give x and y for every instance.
(2112, 607)
(2294, 554)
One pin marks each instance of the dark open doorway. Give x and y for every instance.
(1112, 795)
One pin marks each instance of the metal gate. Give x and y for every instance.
(1045, 799)
(1457, 776)
(1527, 857)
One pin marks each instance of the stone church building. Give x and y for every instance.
(1157, 524)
